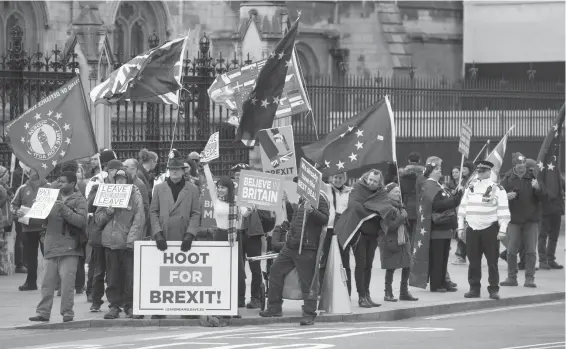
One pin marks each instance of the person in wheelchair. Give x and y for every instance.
(305, 262)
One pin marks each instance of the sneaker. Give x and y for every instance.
(459, 261)
(307, 320)
(472, 294)
(254, 304)
(21, 270)
(554, 265)
(494, 295)
(129, 313)
(67, 318)
(544, 266)
(530, 284)
(509, 282)
(270, 312)
(26, 287)
(38, 318)
(114, 313)
(95, 308)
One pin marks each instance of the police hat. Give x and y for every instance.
(483, 165)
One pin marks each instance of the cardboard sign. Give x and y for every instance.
(202, 281)
(113, 195)
(43, 203)
(207, 219)
(465, 137)
(263, 190)
(212, 149)
(309, 182)
(277, 151)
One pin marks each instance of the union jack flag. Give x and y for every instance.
(153, 76)
(496, 158)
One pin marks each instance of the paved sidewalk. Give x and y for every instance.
(16, 307)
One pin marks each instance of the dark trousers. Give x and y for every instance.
(405, 273)
(364, 253)
(412, 226)
(98, 266)
(548, 237)
(345, 255)
(90, 276)
(120, 275)
(80, 277)
(483, 243)
(287, 260)
(251, 247)
(439, 251)
(222, 235)
(32, 242)
(19, 257)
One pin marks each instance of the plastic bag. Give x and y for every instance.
(292, 286)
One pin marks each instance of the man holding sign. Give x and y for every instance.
(64, 234)
(304, 235)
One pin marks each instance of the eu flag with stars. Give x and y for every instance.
(366, 139)
(258, 111)
(547, 160)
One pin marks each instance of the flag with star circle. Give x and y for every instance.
(55, 130)
(426, 191)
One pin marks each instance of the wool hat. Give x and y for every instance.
(194, 156)
(106, 155)
(517, 158)
(114, 165)
(530, 163)
(121, 173)
(414, 158)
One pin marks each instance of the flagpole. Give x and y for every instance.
(481, 151)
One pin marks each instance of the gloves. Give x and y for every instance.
(187, 242)
(160, 241)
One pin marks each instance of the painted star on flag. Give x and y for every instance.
(359, 145)
(420, 243)
(540, 165)
(37, 116)
(58, 116)
(423, 231)
(264, 103)
(49, 113)
(551, 167)
(340, 164)
(359, 133)
(327, 163)
(26, 126)
(44, 166)
(353, 157)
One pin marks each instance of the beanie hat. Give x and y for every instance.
(414, 158)
(194, 156)
(389, 187)
(517, 158)
(106, 155)
(114, 165)
(530, 163)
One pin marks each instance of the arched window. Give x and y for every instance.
(138, 39)
(119, 41)
(15, 21)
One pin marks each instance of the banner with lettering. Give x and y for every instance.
(113, 195)
(262, 190)
(43, 203)
(202, 281)
(207, 216)
(309, 182)
(277, 151)
(212, 149)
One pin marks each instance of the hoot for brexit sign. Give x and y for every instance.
(202, 281)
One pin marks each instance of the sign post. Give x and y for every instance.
(464, 146)
(308, 187)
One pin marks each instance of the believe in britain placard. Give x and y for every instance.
(263, 190)
(202, 281)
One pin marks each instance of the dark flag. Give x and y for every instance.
(55, 130)
(547, 160)
(366, 139)
(421, 245)
(153, 76)
(258, 110)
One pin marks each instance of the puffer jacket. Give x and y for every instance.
(316, 220)
(64, 226)
(408, 183)
(126, 225)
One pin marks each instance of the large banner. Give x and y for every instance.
(277, 151)
(262, 190)
(202, 281)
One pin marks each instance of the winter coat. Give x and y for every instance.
(126, 225)
(175, 218)
(258, 223)
(64, 226)
(393, 255)
(25, 196)
(316, 220)
(147, 179)
(408, 182)
(527, 205)
(554, 206)
(443, 201)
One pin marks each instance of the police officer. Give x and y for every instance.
(485, 208)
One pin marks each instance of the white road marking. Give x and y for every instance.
(494, 311)
(180, 343)
(301, 346)
(294, 334)
(118, 345)
(238, 346)
(247, 333)
(537, 346)
(554, 346)
(359, 333)
(200, 334)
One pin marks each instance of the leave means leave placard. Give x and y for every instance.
(212, 149)
(113, 195)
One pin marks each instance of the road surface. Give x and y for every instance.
(538, 326)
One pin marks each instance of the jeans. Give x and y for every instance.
(480, 243)
(98, 265)
(287, 260)
(364, 253)
(548, 237)
(251, 246)
(64, 268)
(19, 255)
(522, 234)
(32, 242)
(120, 274)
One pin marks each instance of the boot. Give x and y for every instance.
(405, 295)
(389, 294)
(363, 302)
(544, 266)
(371, 302)
(554, 265)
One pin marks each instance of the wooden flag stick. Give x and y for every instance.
(481, 151)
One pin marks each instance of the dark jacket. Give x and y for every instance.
(313, 226)
(64, 227)
(527, 205)
(371, 227)
(25, 196)
(442, 203)
(147, 179)
(258, 223)
(279, 235)
(391, 254)
(554, 206)
(408, 182)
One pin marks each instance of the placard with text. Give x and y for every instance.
(262, 190)
(43, 203)
(202, 281)
(309, 182)
(113, 195)
(277, 151)
(465, 138)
